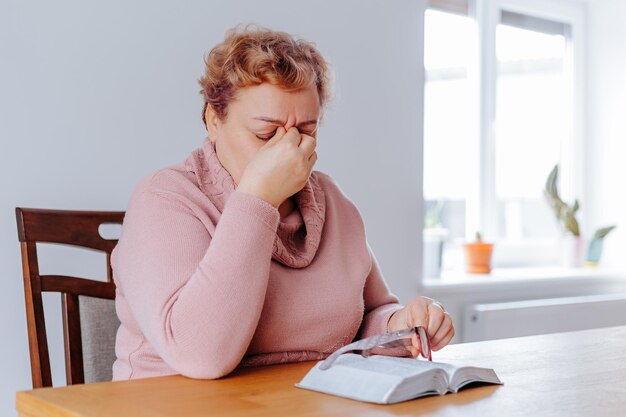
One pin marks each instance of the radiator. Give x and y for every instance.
(530, 317)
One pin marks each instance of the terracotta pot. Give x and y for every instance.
(478, 257)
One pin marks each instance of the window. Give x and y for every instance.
(500, 98)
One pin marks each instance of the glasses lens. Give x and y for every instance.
(425, 343)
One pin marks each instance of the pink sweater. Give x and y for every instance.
(209, 278)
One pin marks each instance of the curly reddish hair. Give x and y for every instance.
(252, 56)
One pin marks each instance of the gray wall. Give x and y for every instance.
(94, 95)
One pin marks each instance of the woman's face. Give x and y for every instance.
(252, 119)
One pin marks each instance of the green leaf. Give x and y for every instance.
(564, 213)
(601, 233)
(551, 181)
(571, 224)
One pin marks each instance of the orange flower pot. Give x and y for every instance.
(478, 257)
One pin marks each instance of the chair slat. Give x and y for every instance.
(37, 338)
(74, 373)
(79, 228)
(77, 286)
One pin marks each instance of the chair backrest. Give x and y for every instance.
(89, 319)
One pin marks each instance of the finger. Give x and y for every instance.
(312, 161)
(440, 305)
(414, 352)
(444, 329)
(417, 314)
(417, 346)
(308, 145)
(292, 136)
(278, 135)
(435, 319)
(444, 341)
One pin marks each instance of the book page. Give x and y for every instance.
(414, 365)
(390, 365)
(379, 379)
(468, 374)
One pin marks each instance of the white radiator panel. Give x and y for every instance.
(530, 317)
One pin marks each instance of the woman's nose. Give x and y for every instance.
(289, 125)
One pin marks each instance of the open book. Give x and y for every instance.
(387, 379)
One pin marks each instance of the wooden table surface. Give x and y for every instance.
(564, 374)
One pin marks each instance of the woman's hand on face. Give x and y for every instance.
(281, 167)
(428, 313)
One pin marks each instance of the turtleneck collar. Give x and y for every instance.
(296, 243)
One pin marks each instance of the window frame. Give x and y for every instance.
(482, 203)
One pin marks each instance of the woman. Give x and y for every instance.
(242, 255)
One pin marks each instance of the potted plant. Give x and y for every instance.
(478, 256)
(574, 245)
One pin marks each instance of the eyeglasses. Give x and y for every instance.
(386, 340)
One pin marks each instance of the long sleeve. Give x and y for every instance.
(196, 298)
(380, 303)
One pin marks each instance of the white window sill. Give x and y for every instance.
(506, 277)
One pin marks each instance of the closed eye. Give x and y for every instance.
(267, 136)
(270, 135)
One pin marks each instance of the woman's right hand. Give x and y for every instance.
(281, 167)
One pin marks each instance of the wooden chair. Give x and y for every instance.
(87, 305)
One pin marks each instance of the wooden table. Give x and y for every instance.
(564, 374)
